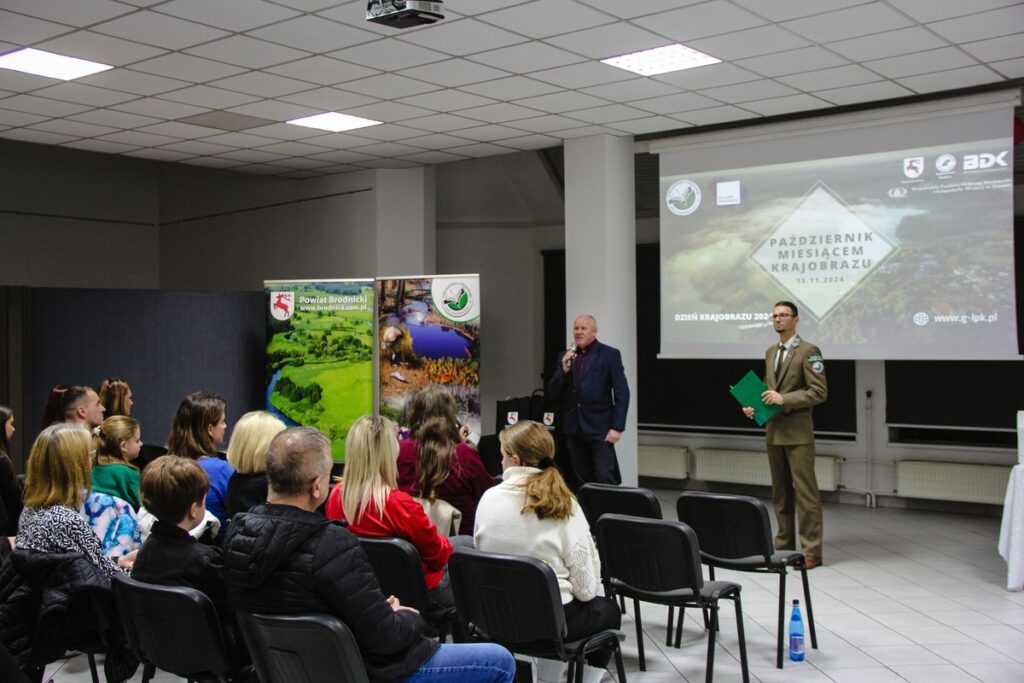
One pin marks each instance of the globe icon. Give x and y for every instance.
(921, 318)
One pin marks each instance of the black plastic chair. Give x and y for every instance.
(514, 601)
(658, 561)
(396, 562)
(173, 628)
(307, 648)
(735, 533)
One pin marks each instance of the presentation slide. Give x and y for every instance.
(898, 254)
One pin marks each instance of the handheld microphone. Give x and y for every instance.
(569, 362)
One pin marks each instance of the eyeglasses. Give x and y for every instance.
(777, 316)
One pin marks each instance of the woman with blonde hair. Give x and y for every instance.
(247, 453)
(116, 397)
(369, 499)
(117, 443)
(55, 487)
(532, 512)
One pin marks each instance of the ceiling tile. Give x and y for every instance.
(706, 117)
(609, 40)
(246, 51)
(262, 84)
(543, 124)
(463, 37)
(176, 129)
(745, 92)
(132, 137)
(388, 55)
(868, 92)
(700, 21)
(205, 96)
(196, 147)
(482, 149)
(84, 94)
(275, 111)
(1011, 68)
(559, 102)
(328, 99)
(16, 81)
(388, 111)
(547, 18)
(934, 10)
(492, 132)
(300, 163)
(454, 73)
(581, 75)
(158, 29)
(446, 100)
(498, 113)
(157, 154)
(786, 105)
(388, 149)
(37, 136)
(388, 86)
(673, 104)
(608, 114)
(633, 89)
(217, 162)
(322, 70)
(781, 10)
(161, 109)
(707, 76)
(440, 123)
(848, 23)
(40, 105)
(1000, 22)
(9, 117)
(251, 156)
(587, 131)
(921, 62)
(388, 131)
(314, 34)
(100, 48)
(239, 139)
(762, 40)
(22, 30)
(651, 124)
(114, 119)
(511, 88)
(294, 149)
(127, 80)
(187, 68)
(232, 15)
(836, 77)
(947, 80)
(285, 131)
(792, 61)
(388, 163)
(628, 10)
(69, 13)
(524, 57)
(434, 157)
(437, 141)
(1006, 47)
(532, 142)
(73, 128)
(888, 44)
(102, 146)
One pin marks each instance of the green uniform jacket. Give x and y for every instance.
(801, 381)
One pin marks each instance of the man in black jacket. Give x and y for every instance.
(284, 557)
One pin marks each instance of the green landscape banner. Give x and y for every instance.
(319, 368)
(429, 328)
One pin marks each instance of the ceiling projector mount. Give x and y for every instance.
(404, 13)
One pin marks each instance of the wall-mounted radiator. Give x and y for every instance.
(751, 467)
(667, 462)
(951, 481)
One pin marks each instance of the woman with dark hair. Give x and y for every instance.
(116, 397)
(198, 429)
(435, 463)
(76, 404)
(10, 492)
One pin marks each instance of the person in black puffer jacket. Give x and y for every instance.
(283, 557)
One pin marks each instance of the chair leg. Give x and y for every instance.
(622, 603)
(780, 633)
(810, 610)
(709, 674)
(148, 671)
(570, 671)
(639, 634)
(679, 627)
(743, 640)
(668, 628)
(92, 667)
(581, 664)
(619, 668)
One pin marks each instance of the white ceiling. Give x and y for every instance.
(496, 76)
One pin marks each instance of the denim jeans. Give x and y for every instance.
(467, 663)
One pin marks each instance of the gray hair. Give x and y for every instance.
(295, 458)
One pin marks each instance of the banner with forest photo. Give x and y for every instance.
(429, 330)
(319, 368)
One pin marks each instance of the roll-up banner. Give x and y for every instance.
(320, 339)
(429, 330)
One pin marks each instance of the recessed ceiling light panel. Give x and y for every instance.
(333, 122)
(660, 60)
(41, 63)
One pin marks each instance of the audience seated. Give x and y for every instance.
(75, 404)
(436, 463)
(10, 492)
(55, 486)
(532, 512)
(247, 453)
(116, 397)
(369, 500)
(198, 429)
(117, 442)
(285, 558)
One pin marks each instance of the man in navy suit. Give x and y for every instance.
(591, 382)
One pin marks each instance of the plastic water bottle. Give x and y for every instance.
(796, 634)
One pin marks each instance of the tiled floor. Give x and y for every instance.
(904, 596)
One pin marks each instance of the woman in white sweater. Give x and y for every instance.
(532, 512)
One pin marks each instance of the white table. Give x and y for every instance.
(1011, 535)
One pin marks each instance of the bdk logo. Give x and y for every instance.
(974, 162)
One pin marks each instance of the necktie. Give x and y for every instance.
(779, 355)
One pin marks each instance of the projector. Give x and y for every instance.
(404, 13)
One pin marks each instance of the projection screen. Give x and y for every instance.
(892, 231)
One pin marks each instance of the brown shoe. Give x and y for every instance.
(810, 561)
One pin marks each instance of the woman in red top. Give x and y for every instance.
(436, 463)
(369, 500)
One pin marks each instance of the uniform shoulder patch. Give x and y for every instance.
(817, 367)
(814, 357)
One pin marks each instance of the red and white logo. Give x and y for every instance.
(282, 305)
(512, 418)
(549, 419)
(913, 167)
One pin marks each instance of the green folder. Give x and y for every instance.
(748, 392)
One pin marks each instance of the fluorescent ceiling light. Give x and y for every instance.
(333, 122)
(660, 60)
(40, 63)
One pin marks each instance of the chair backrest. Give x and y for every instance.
(512, 599)
(599, 499)
(307, 648)
(445, 516)
(172, 627)
(728, 527)
(396, 562)
(649, 554)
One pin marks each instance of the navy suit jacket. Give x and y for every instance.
(603, 397)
